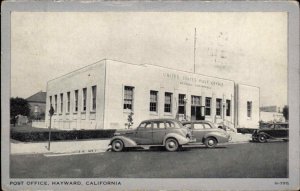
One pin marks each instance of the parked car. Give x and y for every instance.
(157, 132)
(271, 131)
(207, 133)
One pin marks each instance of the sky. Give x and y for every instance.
(247, 47)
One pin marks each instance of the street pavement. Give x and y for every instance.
(84, 146)
(250, 160)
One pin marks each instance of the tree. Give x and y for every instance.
(18, 106)
(285, 112)
(130, 120)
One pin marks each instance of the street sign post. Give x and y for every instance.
(51, 112)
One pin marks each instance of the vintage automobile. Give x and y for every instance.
(271, 131)
(207, 133)
(156, 132)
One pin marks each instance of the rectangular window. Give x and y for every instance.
(208, 106)
(218, 106)
(84, 99)
(61, 103)
(76, 100)
(55, 103)
(68, 102)
(228, 107)
(36, 109)
(50, 98)
(128, 98)
(196, 100)
(153, 100)
(168, 102)
(249, 109)
(94, 95)
(181, 103)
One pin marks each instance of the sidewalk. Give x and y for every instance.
(240, 138)
(60, 147)
(86, 146)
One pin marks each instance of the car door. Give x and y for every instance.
(198, 131)
(144, 134)
(158, 132)
(281, 131)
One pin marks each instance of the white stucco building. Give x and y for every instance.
(102, 95)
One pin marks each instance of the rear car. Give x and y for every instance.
(207, 133)
(271, 131)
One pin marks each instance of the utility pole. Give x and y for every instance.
(51, 112)
(195, 38)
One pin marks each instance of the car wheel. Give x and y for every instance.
(171, 144)
(262, 138)
(210, 142)
(117, 145)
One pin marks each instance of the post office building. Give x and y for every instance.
(105, 94)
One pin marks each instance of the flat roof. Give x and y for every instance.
(150, 65)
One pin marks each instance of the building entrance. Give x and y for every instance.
(197, 111)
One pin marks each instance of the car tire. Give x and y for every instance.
(171, 145)
(210, 142)
(262, 138)
(117, 145)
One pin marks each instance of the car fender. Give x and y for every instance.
(216, 135)
(127, 141)
(263, 133)
(181, 139)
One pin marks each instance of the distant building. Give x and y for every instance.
(37, 104)
(272, 108)
(102, 96)
(271, 117)
(271, 113)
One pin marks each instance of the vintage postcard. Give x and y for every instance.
(150, 95)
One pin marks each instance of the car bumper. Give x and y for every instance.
(229, 138)
(255, 136)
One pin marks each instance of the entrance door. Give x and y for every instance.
(197, 113)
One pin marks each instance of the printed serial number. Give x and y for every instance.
(281, 183)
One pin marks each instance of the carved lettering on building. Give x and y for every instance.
(193, 81)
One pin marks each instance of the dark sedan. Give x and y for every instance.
(271, 131)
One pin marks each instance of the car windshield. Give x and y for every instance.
(210, 124)
(187, 125)
(144, 125)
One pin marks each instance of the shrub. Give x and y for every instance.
(35, 136)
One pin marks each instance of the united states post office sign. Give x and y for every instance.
(193, 81)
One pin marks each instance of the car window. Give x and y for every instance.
(162, 125)
(158, 125)
(198, 126)
(148, 126)
(277, 126)
(142, 125)
(145, 125)
(188, 125)
(169, 124)
(207, 126)
(271, 126)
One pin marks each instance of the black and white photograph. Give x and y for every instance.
(150, 96)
